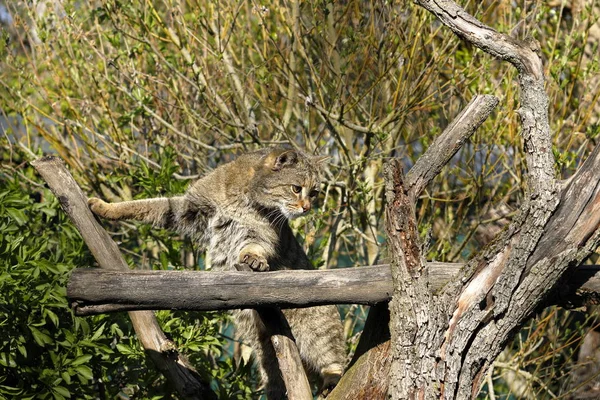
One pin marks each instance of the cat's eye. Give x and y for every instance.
(296, 189)
(313, 193)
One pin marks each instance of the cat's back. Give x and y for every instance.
(229, 183)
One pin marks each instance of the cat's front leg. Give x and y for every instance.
(161, 212)
(253, 256)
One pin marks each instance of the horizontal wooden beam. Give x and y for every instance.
(96, 291)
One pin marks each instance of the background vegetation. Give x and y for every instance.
(140, 97)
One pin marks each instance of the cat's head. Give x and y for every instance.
(289, 180)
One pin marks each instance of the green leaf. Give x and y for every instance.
(58, 396)
(41, 338)
(53, 317)
(98, 332)
(66, 377)
(13, 391)
(124, 349)
(17, 215)
(22, 349)
(85, 371)
(63, 391)
(81, 359)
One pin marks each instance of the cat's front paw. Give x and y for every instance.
(255, 262)
(99, 207)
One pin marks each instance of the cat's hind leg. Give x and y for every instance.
(320, 339)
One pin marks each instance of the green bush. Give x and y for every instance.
(47, 352)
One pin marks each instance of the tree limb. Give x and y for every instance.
(96, 291)
(445, 146)
(284, 345)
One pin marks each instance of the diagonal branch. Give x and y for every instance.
(286, 351)
(161, 350)
(445, 146)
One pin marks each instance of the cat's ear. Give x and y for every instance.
(287, 158)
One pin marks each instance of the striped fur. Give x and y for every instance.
(239, 213)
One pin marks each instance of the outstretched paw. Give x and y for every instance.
(253, 261)
(98, 207)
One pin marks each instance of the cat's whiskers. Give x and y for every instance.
(279, 220)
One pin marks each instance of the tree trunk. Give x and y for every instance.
(444, 343)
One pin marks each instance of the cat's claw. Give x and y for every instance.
(254, 262)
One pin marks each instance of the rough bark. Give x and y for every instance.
(411, 303)
(425, 169)
(442, 345)
(367, 375)
(161, 351)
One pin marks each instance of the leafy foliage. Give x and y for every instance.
(45, 351)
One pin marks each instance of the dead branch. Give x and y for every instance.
(445, 146)
(284, 344)
(96, 291)
(422, 173)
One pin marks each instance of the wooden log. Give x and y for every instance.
(96, 291)
(161, 351)
(92, 290)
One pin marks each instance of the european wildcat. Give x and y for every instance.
(240, 213)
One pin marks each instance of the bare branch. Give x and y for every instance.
(286, 351)
(198, 290)
(445, 146)
(96, 291)
(288, 356)
(534, 100)
(521, 55)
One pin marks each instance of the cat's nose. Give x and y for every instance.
(306, 207)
